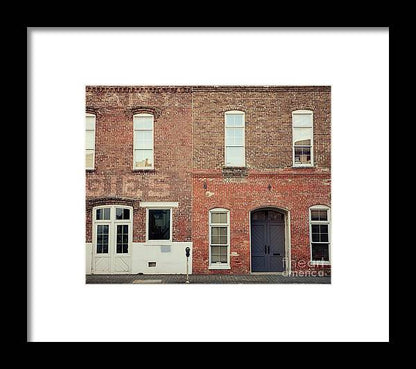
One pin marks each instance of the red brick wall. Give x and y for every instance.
(114, 177)
(269, 160)
(189, 150)
(293, 191)
(268, 114)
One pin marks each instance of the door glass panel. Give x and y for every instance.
(102, 239)
(122, 213)
(103, 214)
(122, 239)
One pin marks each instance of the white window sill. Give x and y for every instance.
(141, 169)
(219, 267)
(158, 242)
(317, 263)
(303, 166)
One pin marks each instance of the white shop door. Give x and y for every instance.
(112, 238)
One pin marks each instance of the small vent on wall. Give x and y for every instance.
(152, 264)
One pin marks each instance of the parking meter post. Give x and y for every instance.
(187, 253)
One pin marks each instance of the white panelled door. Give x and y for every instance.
(112, 238)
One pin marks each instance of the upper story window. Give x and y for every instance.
(143, 141)
(219, 239)
(89, 141)
(235, 139)
(319, 220)
(302, 121)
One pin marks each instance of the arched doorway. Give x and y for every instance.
(267, 240)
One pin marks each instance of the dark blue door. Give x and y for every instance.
(267, 241)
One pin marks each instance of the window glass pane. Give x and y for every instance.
(234, 120)
(315, 233)
(303, 143)
(89, 140)
(323, 228)
(302, 155)
(219, 235)
(324, 237)
(320, 252)
(218, 217)
(90, 122)
(159, 224)
(234, 136)
(89, 159)
(219, 254)
(300, 134)
(142, 122)
(143, 140)
(321, 215)
(235, 156)
(302, 120)
(215, 258)
(143, 158)
(315, 237)
(107, 213)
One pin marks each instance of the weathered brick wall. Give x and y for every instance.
(114, 177)
(189, 150)
(268, 134)
(295, 192)
(268, 113)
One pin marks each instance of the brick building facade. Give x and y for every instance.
(241, 175)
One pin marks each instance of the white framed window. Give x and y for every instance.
(320, 234)
(219, 239)
(235, 139)
(302, 133)
(89, 141)
(159, 221)
(158, 225)
(143, 141)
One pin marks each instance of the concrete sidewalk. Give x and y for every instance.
(197, 279)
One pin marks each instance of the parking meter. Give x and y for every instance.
(187, 253)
